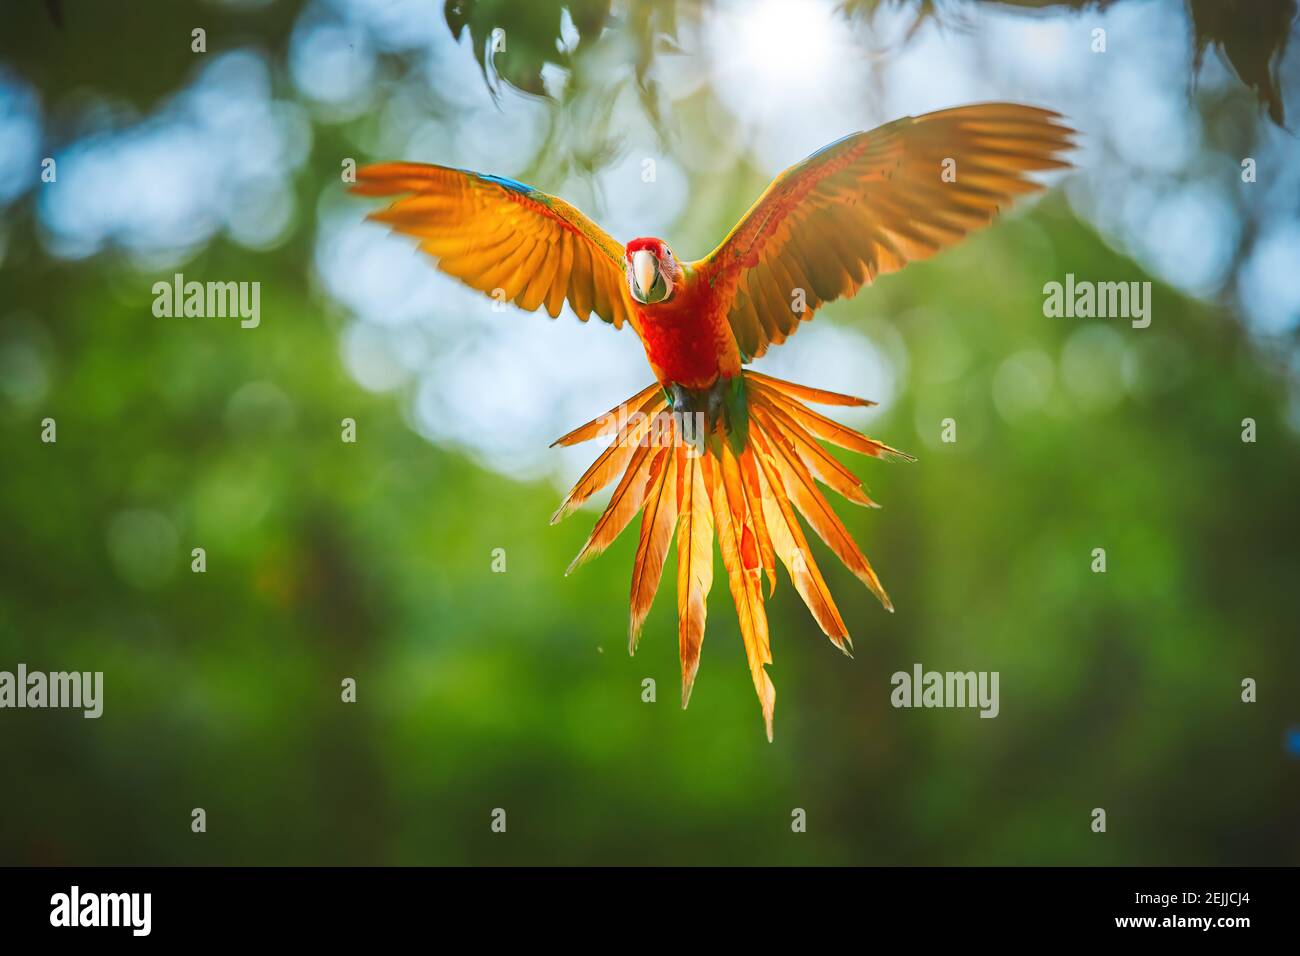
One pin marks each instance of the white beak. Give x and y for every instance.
(645, 269)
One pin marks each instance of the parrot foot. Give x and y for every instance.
(699, 411)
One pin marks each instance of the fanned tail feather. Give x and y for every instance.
(694, 563)
(632, 431)
(752, 489)
(658, 519)
(750, 493)
(803, 393)
(816, 458)
(650, 396)
(792, 547)
(624, 504)
(827, 429)
(799, 485)
(744, 573)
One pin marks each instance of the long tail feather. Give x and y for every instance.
(816, 459)
(623, 504)
(694, 563)
(743, 574)
(798, 484)
(657, 523)
(610, 422)
(753, 491)
(805, 393)
(792, 547)
(828, 429)
(612, 460)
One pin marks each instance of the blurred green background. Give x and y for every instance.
(480, 690)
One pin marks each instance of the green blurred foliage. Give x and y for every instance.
(480, 690)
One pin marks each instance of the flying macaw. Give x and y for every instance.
(711, 446)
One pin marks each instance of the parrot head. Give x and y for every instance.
(653, 273)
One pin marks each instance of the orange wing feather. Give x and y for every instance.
(871, 203)
(494, 234)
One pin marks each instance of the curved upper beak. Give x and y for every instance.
(645, 269)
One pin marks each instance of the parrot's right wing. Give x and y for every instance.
(504, 238)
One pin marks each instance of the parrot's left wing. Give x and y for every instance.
(870, 203)
(504, 238)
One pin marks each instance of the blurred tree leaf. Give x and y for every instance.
(513, 42)
(1252, 35)
(653, 25)
(137, 52)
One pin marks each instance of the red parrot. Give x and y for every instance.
(712, 447)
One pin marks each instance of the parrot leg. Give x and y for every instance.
(690, 422)
(710, 401)
(702, 411)
(683, 398)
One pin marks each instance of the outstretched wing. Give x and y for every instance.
(872, 202)
(496, 234)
